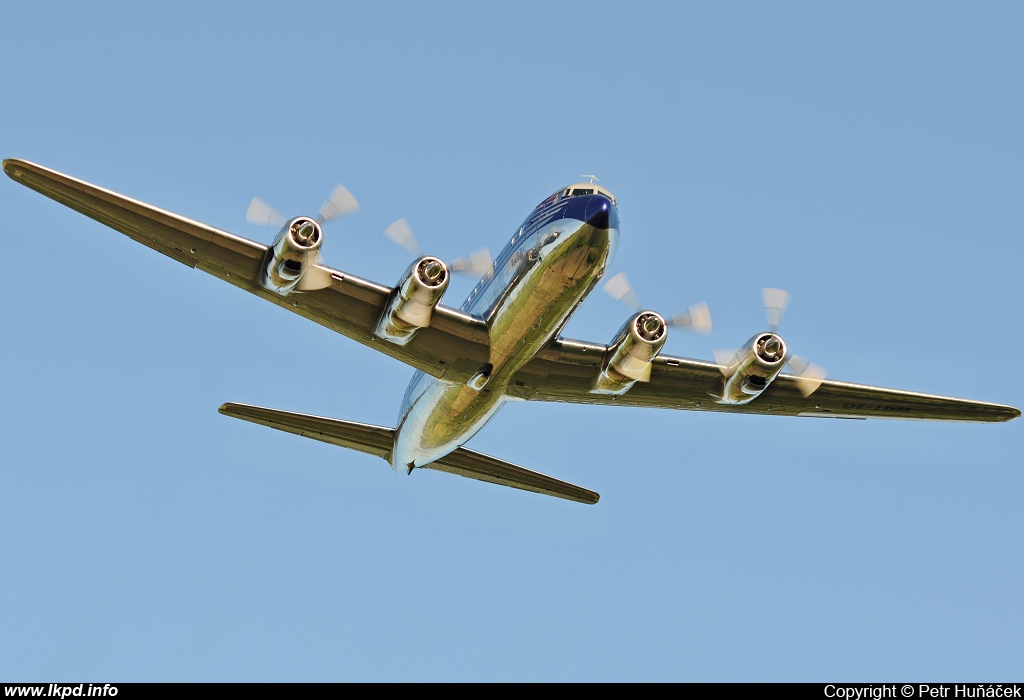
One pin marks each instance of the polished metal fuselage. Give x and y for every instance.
(548, 267)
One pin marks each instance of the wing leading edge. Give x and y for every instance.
(565, 371)
(454, 346)
(377, 440)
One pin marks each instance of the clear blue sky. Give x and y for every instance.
(865, 157)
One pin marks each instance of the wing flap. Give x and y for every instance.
(377, 440)
(565, 370)
(455, 345)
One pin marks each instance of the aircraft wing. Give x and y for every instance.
(455, 345)
(565, 371)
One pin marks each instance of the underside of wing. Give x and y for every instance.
(377, 440)
(454, 345)
(565, 371)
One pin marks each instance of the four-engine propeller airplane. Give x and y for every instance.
(503, 342)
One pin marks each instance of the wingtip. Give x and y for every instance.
(11, 167)
(17, 169)
(225, 408)
(1000, 413)
(584, 496)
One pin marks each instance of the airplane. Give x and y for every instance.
(503, 343)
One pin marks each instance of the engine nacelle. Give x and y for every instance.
(412, 304)
(630, 354)
(753, 368)
(292, 260)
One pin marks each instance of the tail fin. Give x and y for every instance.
(377, 440)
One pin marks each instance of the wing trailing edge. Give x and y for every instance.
(378, 440)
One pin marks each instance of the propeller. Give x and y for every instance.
(775, 303)
(259, 212)
(697, 318)
(809, 376)
(339, 202)
(478, 262)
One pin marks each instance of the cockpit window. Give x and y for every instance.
(578, 191)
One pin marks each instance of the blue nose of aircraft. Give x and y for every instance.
(601, 213)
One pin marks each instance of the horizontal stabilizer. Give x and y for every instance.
(377, 440)
(371, 439)
(496, 471)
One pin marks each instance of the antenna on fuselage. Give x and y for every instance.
(593, 178)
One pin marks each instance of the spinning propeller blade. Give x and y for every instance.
(478, 262)
(725, 359)
(809, 375)
(338, 203)
(401, 233)
(619, 289)
(259, 212)
(697, 318)
(775, 303)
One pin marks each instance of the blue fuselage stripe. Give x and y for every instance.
(545, 213)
